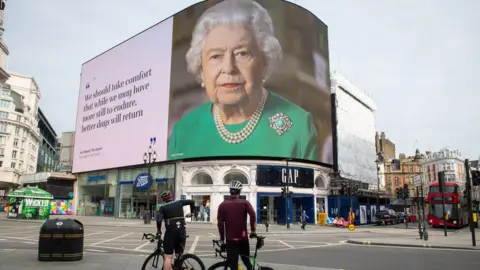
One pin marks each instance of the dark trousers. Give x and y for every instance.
(304, 223)
(236, 248)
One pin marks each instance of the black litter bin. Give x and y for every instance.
(61, 240)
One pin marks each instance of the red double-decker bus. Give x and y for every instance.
(455, 206)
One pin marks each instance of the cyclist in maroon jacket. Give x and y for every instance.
(232, 226)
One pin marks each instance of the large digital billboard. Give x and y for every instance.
(221, 78)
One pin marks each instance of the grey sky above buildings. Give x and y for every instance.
(417, 59)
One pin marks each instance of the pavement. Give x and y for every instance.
(117, 244)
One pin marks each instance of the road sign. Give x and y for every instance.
(351, 227)
(417, 180)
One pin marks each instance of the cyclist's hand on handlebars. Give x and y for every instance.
(253, 235)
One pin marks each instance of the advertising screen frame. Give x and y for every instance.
(220, 157)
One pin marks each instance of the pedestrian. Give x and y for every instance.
(304, 218)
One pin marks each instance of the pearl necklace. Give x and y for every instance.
(242, 135)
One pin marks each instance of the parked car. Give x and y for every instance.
(386, 216)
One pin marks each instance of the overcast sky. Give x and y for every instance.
(418, 60)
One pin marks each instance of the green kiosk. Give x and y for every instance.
(29, 203)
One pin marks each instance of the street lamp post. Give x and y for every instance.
(378, 184)
(149, 158)
(421, 202)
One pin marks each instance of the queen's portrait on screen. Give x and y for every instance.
(232, 53)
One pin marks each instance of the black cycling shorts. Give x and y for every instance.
(174, 240)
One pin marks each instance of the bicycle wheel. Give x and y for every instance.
(218, 265)
(198, 265)
(153, 261)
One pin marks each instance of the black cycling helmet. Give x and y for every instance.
(166, 196)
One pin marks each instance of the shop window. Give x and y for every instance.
(235, 176)
(202, 178)
(202, 208)
(320, 182)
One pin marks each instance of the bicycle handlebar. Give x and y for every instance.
(220, 252)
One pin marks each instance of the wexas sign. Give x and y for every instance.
(143, 181)
(281, 175)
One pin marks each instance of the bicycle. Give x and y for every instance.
(158, 252)
(223, 264)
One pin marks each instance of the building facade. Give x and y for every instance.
(355, 131)
(448, 160)
(118, 192)
(67, 143)
(19, 132)
(48, 148)
(3, 51)
(401, 171)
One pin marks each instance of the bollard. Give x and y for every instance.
(266, 225)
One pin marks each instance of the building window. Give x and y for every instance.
(4, 104)
(12, 165)
(410, 169)
(3, 115)
(2, 152)
(3, 128)
(3, 139)
(15, 142)
(1, 163)
(388, 169)
(14, 154)
(17, 130)
(397, 181)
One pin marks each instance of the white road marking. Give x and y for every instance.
(280, 249)
(115, 248)
(29, 243)
(290, 246)
(95, 233)
(142, 246)
(95, 250)
(194, 245)
(111, 239)
(423, 248)
(3, 239)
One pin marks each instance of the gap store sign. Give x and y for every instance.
(278, 176)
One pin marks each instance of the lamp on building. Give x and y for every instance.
(149, 157)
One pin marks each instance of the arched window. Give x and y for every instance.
(202, 178)
(235, 176)
(320, 182)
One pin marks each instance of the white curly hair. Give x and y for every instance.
(246, 13)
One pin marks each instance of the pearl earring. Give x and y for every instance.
(203, 85)
(263, 81)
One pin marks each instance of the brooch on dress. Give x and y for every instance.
(280, 123)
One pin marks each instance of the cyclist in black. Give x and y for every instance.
(232, 226)
(175, 232)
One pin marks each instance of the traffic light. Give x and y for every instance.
(284, 192)
(476, 178)
(399, 193)
(405, 192)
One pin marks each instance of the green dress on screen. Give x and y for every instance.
(196, 135)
